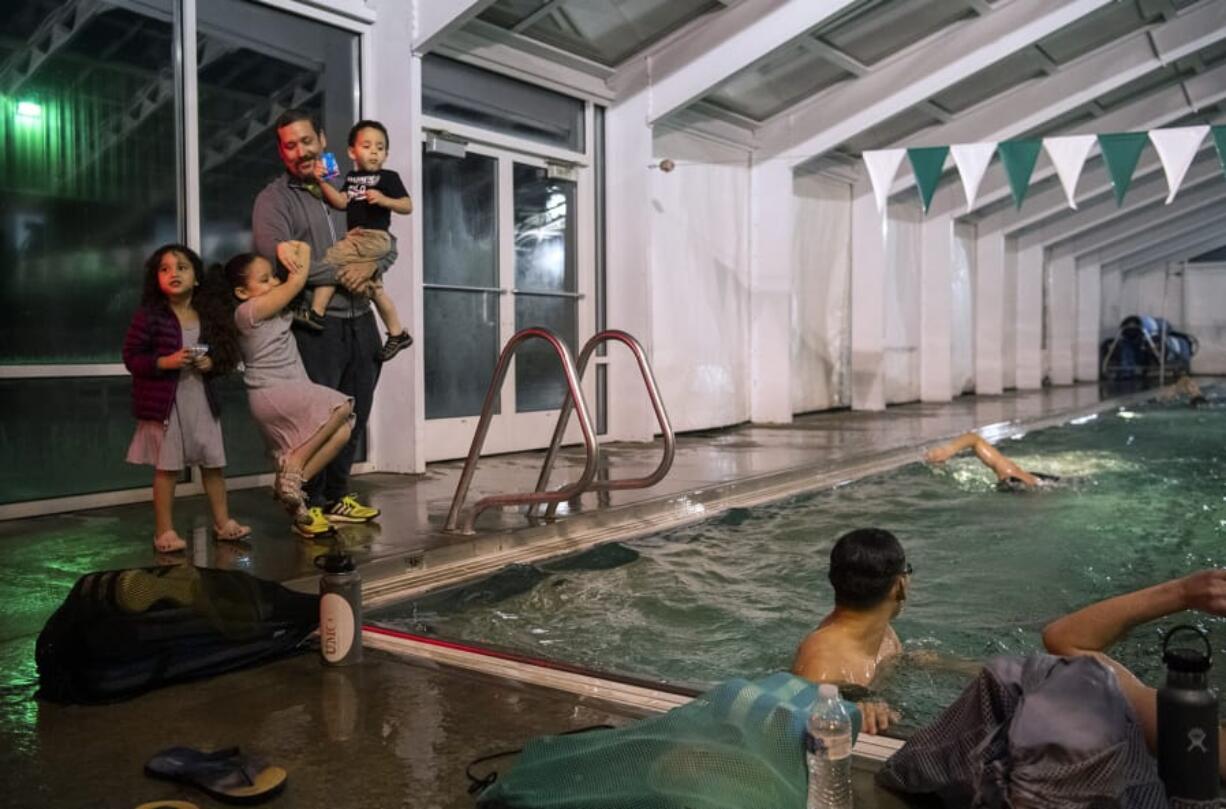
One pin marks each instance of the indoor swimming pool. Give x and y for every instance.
(1145, 501)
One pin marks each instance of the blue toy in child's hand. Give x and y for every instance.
(331, 169)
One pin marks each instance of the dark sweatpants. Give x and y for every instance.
(343, 356)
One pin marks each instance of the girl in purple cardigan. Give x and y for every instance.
(167, 350)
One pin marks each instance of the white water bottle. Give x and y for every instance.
(828, 752)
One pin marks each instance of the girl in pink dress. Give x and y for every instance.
(305, 424)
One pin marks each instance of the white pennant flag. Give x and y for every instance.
(972, 161)
(1176, 149)
(1069, 155)
(882, 166)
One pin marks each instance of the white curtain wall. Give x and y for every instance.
(962, 323)
(700, 281)
(902, 304)
(821, 294)
(1204, 288)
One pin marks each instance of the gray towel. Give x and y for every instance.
(1037, 731)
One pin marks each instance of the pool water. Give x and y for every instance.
(732, 596)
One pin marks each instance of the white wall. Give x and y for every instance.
(700, 281)
(902, 304)
(1204, 287)
(1194, 303)
(821, 294)
(962, 322)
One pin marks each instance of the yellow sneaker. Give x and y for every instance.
(313, 524)
(348, 509)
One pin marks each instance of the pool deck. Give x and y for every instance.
(394, 733)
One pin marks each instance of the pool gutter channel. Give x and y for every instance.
(405, 576)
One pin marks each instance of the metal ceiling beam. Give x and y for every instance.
(518, 56)
(1124, 227)
(52, 34)
(685, 69)
(1155, 110)
(1036, 103)
(1150, 190)
(1159, 232)
(839, 58)
(1172, 249)
(821, 123)
(434, 20)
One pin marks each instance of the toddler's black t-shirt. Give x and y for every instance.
(360, 213)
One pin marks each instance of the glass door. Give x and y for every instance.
(504, 243)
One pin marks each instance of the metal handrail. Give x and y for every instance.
(653, 392)
(483, 425)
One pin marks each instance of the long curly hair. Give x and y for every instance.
(217, 327)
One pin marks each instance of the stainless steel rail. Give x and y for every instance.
(454, 524)
(568, 404)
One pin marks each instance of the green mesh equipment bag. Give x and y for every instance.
(739, 746)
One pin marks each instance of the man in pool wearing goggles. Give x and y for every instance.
(871, 577)
(1009, 476)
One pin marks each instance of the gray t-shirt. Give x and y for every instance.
(270, 355)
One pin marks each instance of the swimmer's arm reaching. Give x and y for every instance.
(988, 454)
(1091, 630)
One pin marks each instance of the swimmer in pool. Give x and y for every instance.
(1185, 386)
(1008, 474)
(871, 578)
(1092, 630)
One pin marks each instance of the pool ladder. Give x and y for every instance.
(462, 523)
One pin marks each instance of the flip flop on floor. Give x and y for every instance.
(232, 531)
(225, 775)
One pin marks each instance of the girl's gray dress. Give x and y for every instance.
(191, 435)
(287, 405)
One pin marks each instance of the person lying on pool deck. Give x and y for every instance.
(1092, 630)
(1008, 474)
(871, 578)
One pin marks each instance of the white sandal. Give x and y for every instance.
(168, 541)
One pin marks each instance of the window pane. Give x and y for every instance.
(461, 348)
(461, 92)
(87, 172)
(460, 220)
(246, 452)
(539, 382)
(61, 437)
(544, 231)
(253, 63)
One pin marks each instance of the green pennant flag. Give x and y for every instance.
(1019, 157)
(1121, 151)
(1219, 140)
(927, 162)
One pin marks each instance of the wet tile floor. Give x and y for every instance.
(387, 733)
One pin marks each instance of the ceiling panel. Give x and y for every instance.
(882, 29)
(606, 31)
(1094, 30)
(776, 82)
(1004, 75)
(890, 131)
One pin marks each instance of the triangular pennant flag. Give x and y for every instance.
(1177, 148)
(1219, 140)
(882, 165)
(1019, 157)
(1121, 151)
(927, 163)
(972, 161)
(1068, 154)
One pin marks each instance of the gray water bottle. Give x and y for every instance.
(340, 610)
(1188, 724)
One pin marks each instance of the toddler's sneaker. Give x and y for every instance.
(307, 318)
(313, 524)
(394, 345)
(349, 509)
